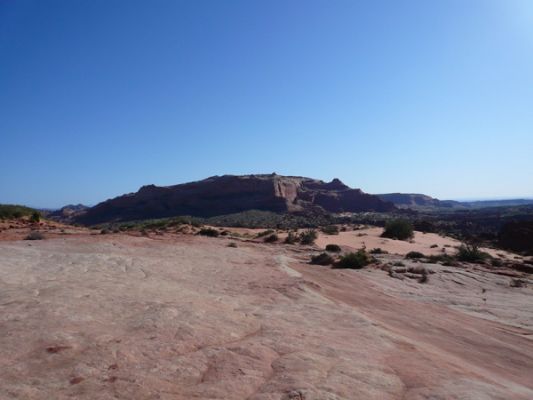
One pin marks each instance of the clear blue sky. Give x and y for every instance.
(100, 97)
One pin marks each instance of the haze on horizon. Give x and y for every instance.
(99, 98)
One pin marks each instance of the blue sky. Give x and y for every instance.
(100, 97)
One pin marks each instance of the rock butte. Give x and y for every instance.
(229, 194)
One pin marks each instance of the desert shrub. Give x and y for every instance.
(105, 231)
(515, 282)
(291, 238)
(308, 237)
(34, 236)
(414, 255)
(378, 250)
(356, 260)
(35, 217)
(322, 259)
(271, 238)
(232, 244)
(470, 252)
(208, 232)
(265, 233)
(330, 230)
(445, 259)
(433, 246)
(398, 229)
(334, 248)
(423, 277)
(398, 264)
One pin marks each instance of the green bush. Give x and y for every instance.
(308, 237)
(265, 233)
(414, 255)
(334, 248)
(378, 250)
(356, 260)
(469, 252)
(398, 229)
(322, 259)
(35, 217)
(291, 238)
(271, 238)
(208, 232)
(330, 230)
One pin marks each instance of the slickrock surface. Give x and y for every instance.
(185, 317)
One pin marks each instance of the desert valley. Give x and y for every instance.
(126, 307)
(266, 200)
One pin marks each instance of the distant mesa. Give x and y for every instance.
(422, 201)
(68, 213)
(228, 194)
(416, 200)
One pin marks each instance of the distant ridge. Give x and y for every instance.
(422, 201)
(221, 195)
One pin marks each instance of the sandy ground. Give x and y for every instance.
(421, 242)
(187, 317)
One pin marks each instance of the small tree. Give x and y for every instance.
(400, 229)
(35, 217)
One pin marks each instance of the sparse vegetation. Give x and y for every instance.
(356, 260)
(322, 259)
(333, 248)
(232, 244)
(433, 246)
(35, 217)
(271, 238)
(291, 238)
(398, 264)
(445, 259)
(265, 233)
(34, 235)
(308, 236)
(378, 250)
(414, 255)
(470, 252)
(209, 232)
(11, 211)
(399, 229)
(330, 230)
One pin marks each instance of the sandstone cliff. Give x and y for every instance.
(220, 195)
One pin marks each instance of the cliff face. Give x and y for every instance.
(414, 200)
(229, 194)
